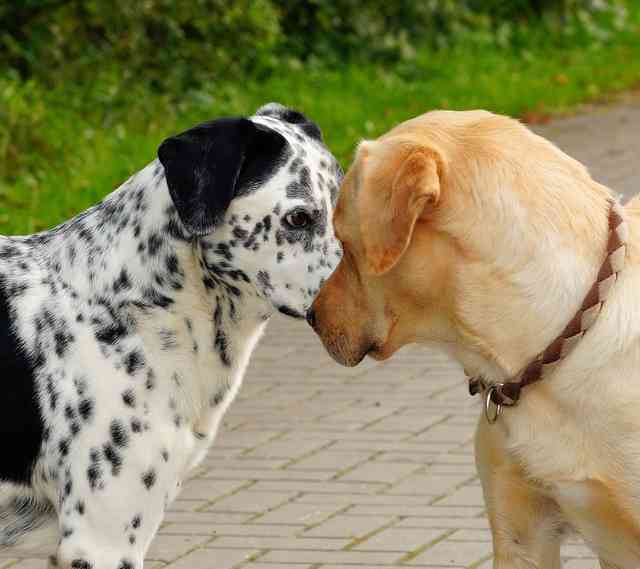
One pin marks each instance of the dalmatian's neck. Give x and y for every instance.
(130, 261)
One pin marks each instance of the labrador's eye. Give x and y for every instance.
(297, 219)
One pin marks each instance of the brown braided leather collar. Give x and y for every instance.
(508, 392)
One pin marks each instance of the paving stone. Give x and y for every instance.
(305, 514)
(253, 530)
(400, 539)
(378, 472)
(331, 461)
(465, 496)
(348, 527)
(268, 542)
(209, 558)
(169, 547)
(346, 557)
(259, 565)
(428, 483)
(204, 488)
(251, 502)
(465, 521)
(453, 553)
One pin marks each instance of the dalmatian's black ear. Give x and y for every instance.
(208, 165)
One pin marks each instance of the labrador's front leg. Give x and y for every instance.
(526, 525)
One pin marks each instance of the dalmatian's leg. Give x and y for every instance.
(112, 530)
(112, 500)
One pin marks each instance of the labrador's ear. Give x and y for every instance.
(388, 214)
(208, 165)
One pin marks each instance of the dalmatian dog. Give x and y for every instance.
(125, 332)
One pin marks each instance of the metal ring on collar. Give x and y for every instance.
(488, 403)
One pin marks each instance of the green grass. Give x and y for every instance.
(63, 149)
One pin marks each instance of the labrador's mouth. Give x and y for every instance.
(340, 350)
(375, 352)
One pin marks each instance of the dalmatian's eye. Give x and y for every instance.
(297, 219)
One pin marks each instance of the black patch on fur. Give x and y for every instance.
(94, 474)
(86, 409)
(136, 425)
(21, 425)
(119, 434)
(287, 311)
(113, 457)
(210, 164)
(129, 398)
(292, 116)
(221, 345)
(149, 478)
(134, 361)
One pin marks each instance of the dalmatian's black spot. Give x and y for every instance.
(112, 331)
(134, 362)
(80, 507)
(85, 408)
(301, 188)
(151, 380)
(264, 280)
(149, 478)
(122, 283)
(136, 522)
(240, 233)
(69, 412)
(119, 434)
(94, 475)
(8, 251)
(136, 425)
(62, 341)
(81, 564)
(221, 346)
(125, 564)
(129, 398)
(113, 457)
(153, 297)
(63, 447)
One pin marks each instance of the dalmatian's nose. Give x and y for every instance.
(311, 318)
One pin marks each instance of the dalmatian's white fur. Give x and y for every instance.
(125, 332)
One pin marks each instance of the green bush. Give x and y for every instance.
(163, 41)
(176, 45)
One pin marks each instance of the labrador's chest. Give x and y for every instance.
(589, 468)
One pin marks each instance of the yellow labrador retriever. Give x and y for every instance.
(467, 231)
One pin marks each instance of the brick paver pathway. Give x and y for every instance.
(322, 467)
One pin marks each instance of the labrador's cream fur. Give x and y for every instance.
(467, 231)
